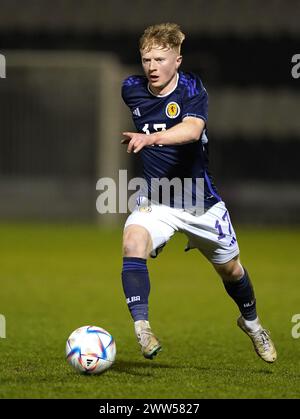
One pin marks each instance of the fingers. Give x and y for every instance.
(138, 147)
(134, 140)
(127, 140)
(130, 146)
(135, 145)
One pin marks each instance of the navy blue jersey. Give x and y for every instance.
(152, 113)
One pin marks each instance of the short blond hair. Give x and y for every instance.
(166, 35)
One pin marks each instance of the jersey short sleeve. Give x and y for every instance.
(130, 87)
(194, 97)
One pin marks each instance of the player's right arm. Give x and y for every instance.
(189, 130)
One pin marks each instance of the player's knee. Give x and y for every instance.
(136, 244)
(132, 247)
(236, 272)
(230, 271)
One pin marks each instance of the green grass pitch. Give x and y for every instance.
(55, 278)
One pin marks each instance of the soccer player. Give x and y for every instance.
(169, 110)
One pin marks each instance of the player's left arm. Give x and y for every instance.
(189, 130)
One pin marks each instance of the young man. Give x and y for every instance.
(169, 109)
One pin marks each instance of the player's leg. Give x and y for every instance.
(137, 245)
(146, 231)
(213, 234)
(238, 285)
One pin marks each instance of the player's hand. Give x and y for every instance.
(136, 141)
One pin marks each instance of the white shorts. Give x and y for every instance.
(211, 232)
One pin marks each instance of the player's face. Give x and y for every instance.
(160, 66)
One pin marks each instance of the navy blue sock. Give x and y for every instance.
(136, 286)
(243, 294)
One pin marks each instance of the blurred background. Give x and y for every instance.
(62, 114)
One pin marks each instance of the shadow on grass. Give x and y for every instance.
(145, 369)
(142, 368)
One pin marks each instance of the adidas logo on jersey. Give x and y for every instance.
(136, 112)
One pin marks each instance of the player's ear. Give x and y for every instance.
(178, 61)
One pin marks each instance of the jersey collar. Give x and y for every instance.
(166, 94)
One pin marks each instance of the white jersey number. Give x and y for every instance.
(156, 127)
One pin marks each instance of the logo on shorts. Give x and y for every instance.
(145, 209)
(172, 110)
